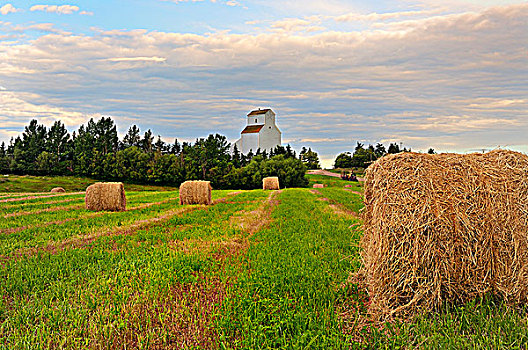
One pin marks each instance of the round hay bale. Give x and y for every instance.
(318, 186)
(106, 196)
(445, 228)
(58, 190)
(270, 183)
(195, 192)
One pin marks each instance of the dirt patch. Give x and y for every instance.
(356, 192)
(323, 172)
(224, 199)
(226, 247)
(253, 221)
(316, 192)
(147, 205)
(339, 210)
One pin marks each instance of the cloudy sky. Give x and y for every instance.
(452, 75)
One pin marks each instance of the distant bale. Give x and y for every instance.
(58, 190)
(106, 196)
(270, 183)
(318, 186)
(348, 186)
(445, 228)
(195, 192)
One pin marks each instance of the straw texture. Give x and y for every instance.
(445, 228)
(270, 183)
(58, 190)
(195, 192)
(107, 196)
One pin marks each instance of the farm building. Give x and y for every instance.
(261, 131)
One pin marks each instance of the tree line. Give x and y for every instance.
(363, 155)
(95, 150)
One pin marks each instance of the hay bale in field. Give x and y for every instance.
(58, 190)
(108, 196)
(348, 186)
(270, 183)
(195, 192)
(445, 228)
(318, 186)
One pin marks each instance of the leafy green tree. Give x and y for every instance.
(209, 153)
(46, 163)
(290, 171)
(95, 150)
(343, 160)
(132, 165)
(362, 156)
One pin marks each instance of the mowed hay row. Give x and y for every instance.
(58, 190)
(270, 183)
(106, 196)
(195, 192)
(445, 228)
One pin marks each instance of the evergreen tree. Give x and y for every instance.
(380, 150)
(146, 142)
(4, 161)
(235, 157)
(176, 147)
(132, 137)
(32, 145)
(59, 146)
(393, 148)
(160, 146)
(310, 159)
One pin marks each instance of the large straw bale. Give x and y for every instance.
(107, 196)
(318, 186)
(270, 183)
(195, 192)
(445, 228)
(58, 190)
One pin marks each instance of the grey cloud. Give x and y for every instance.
(452, 82)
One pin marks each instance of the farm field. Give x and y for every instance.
(30, 184)
(257, 269)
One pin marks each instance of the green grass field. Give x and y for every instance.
(258, 269)
(30, 184)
